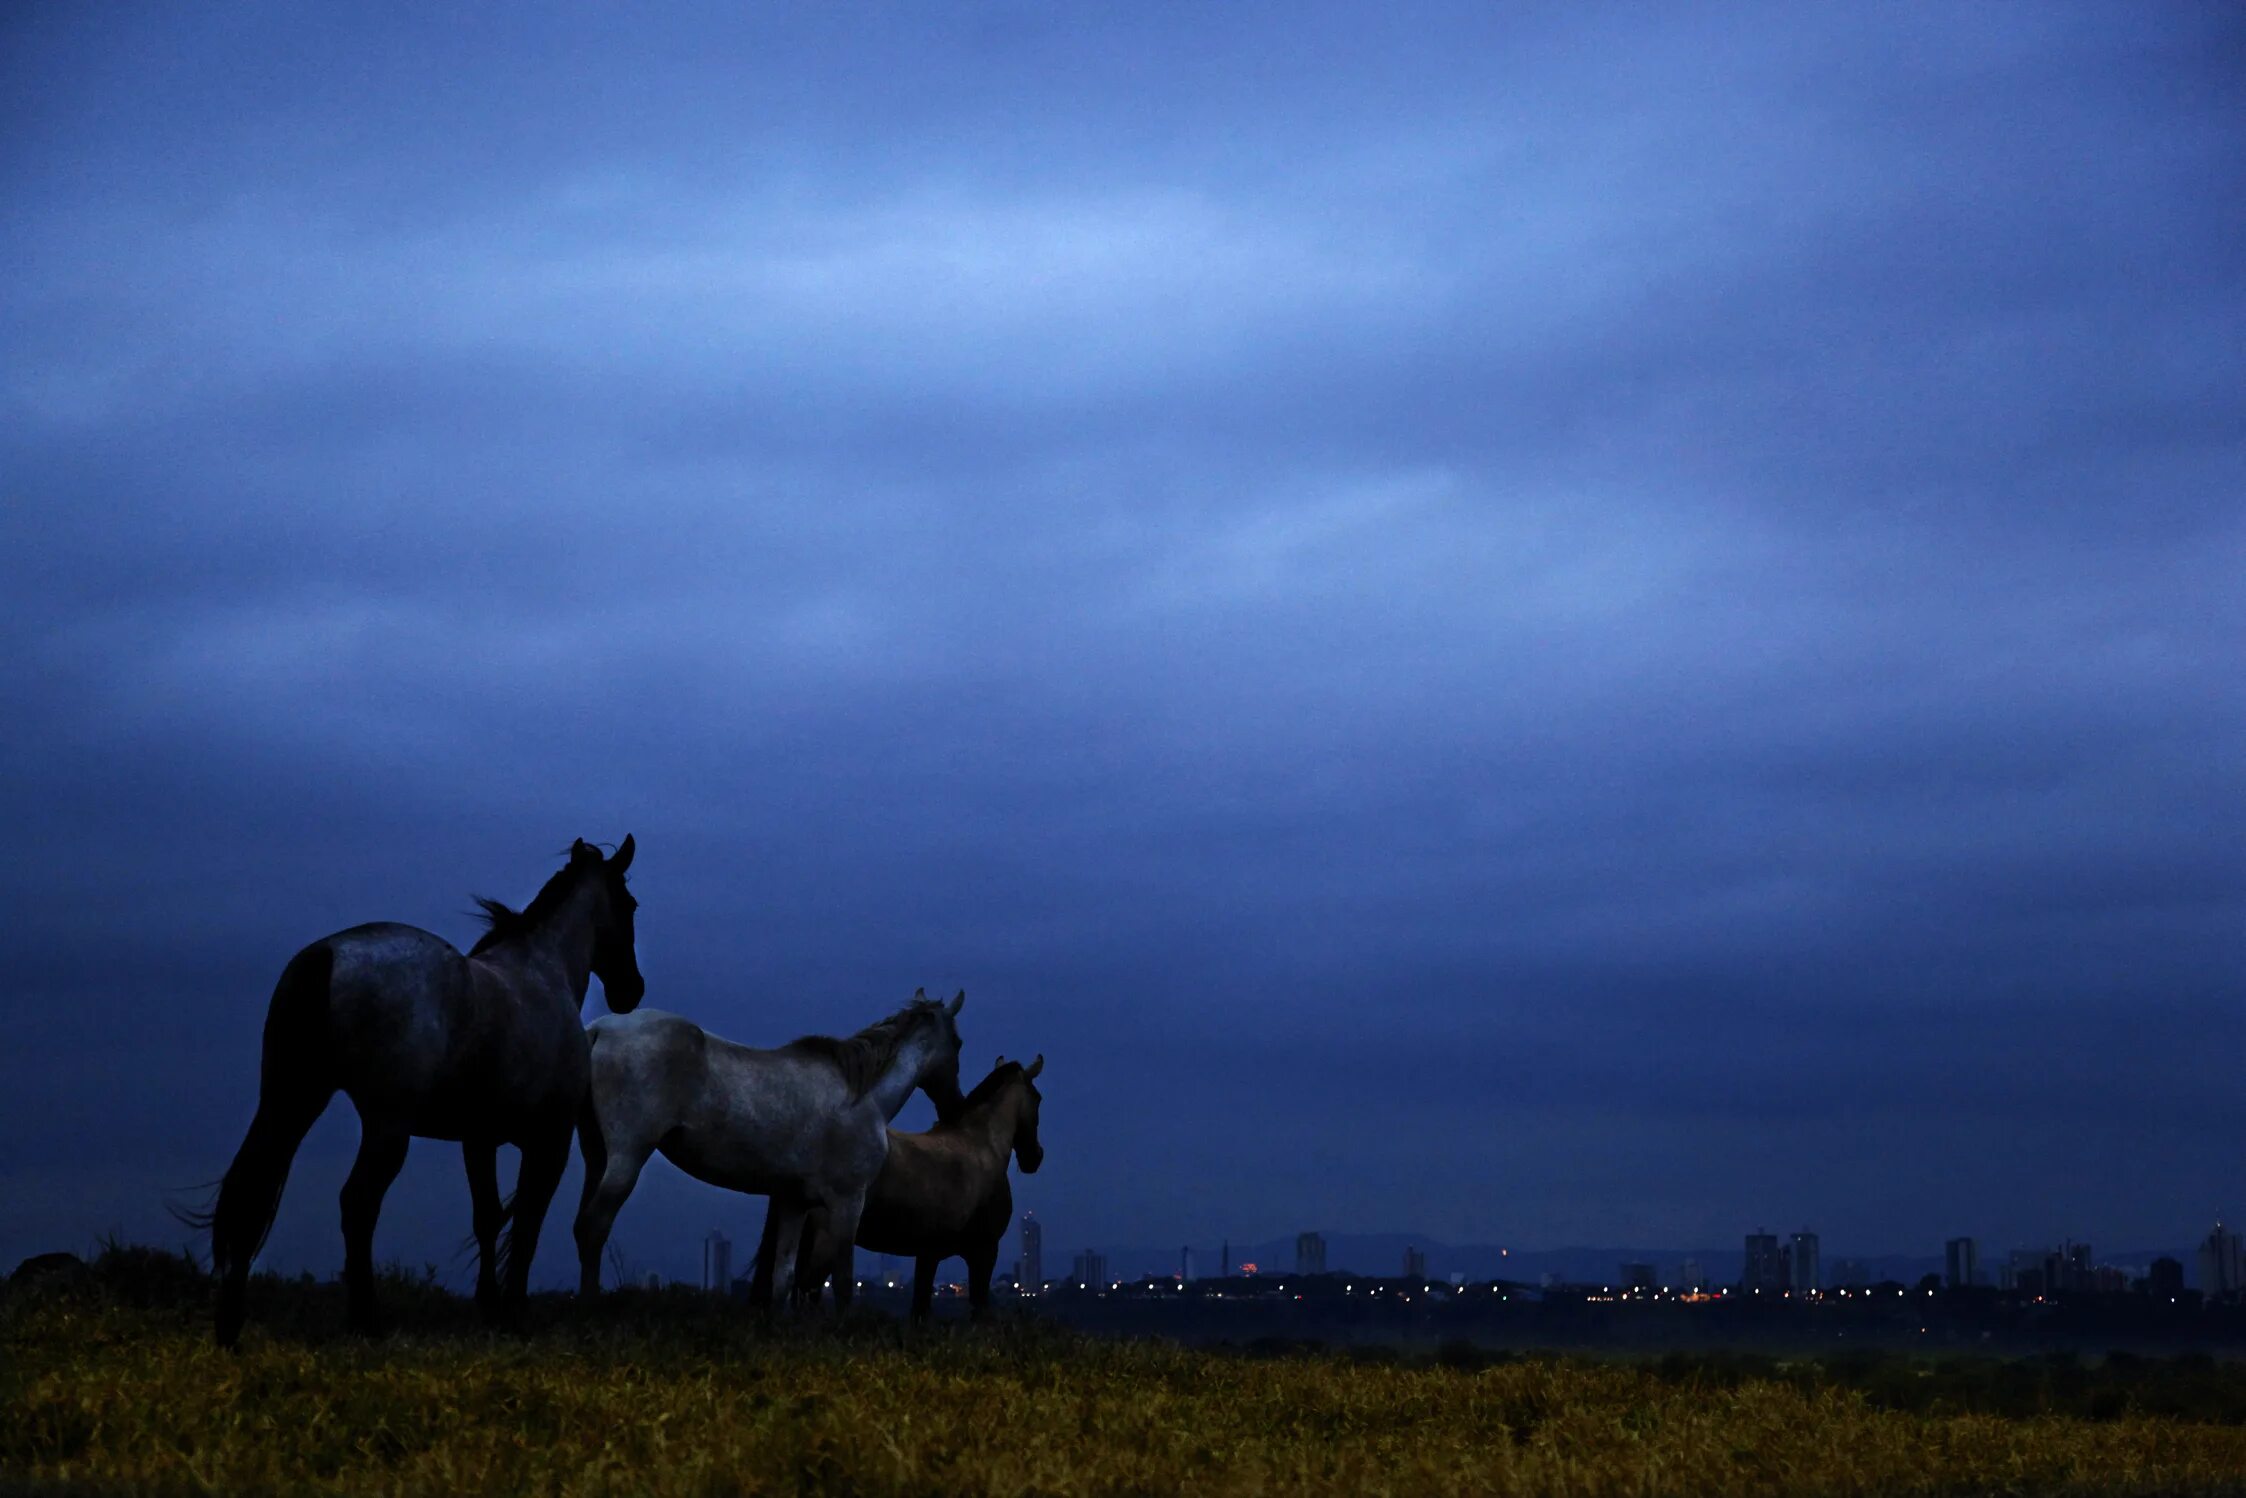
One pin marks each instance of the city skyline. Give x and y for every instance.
(1788, 1258)
(1767, 1263)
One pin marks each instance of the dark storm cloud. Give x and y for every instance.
(1544, 627)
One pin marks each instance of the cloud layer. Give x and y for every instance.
(1536, 627)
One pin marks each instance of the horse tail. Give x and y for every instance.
(470, 1246)
(293, 1089)
(504, 1258)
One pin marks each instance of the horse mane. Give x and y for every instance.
(507, 923)
(990, 1086)
(863, 1057)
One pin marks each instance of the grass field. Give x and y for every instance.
(108, 1382)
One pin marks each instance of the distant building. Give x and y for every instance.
(1765, 1267)
(1029, 1268)
(1185, 1265)
(1090, 1270)
(1691, 1277)
(1224, 1260)
(717, 1262)
(1961, 1263)
(2165, 1278)
(2049, 1271)
(1637, 1276)
(2220, 1270)
(1310, 1253)
(1803, 1271)
(1415, 1264)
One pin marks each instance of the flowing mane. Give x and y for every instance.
(863, 1057)
(507, 923)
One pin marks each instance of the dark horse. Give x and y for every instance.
(487, 1049)
(943, 1192)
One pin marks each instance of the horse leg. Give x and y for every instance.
(543, 1161)
(810, 1280)
(482, 1159)
(837, 1247)
(924, 1286)
(382, 1151)
(609, 1179)
(787, 1245)
(251, 1191)
(760, 1278)
(979, 1265)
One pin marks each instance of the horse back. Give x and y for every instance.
(396, 1001)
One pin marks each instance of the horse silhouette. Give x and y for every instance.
(486, 1049)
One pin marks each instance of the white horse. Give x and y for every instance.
(807, 1124)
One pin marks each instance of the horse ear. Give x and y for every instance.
(1035, 1067)
(958, 1002)
(919, 995)
(580, 849)
(623, 858)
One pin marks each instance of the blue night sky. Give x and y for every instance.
(1529, 625)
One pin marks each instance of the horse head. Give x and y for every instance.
(939, 1074)
(615, 956)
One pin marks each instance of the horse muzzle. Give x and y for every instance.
(623, 992)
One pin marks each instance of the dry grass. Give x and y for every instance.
(97, 1394)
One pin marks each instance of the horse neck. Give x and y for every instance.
(896, 1084)
(995, 1121)
(563, 938)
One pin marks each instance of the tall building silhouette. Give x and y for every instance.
(1765, 1268)
(1803, 1269)
(717, 1262)
(2220, 1269)
(1415, 1264)
(1090, 1270)
(1961, 1263)
(1310, 1253)
(1029, 1269)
